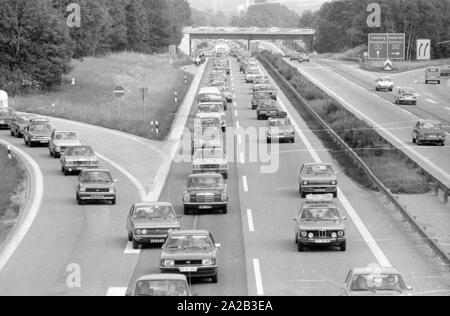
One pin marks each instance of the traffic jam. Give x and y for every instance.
(193, 254)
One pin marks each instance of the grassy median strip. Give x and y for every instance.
(386, 162)
(91, 100)
(13, 192)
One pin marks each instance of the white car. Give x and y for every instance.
(384, 83)
(212, 110)
(61, 140)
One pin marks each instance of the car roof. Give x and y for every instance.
(143, 204)
(206, 175)
(189, 232)
(381, 270)
(209, 90)
(95, 170)
(317, 164)
(57, 132)
(157, 277)
(434, 122)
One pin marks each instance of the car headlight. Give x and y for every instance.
(224, 196)
(196, 167)
(69, 163)
(112, 190)
(305, 182)
(168, 263)
(58, 148)
(334, 182)
(341, 233)
(208, 262)
(144, 232)
(310, 235)
(304, 234)
(223, 166)
(187, 198)
(138, 232)
(82, 189)
(334, 235)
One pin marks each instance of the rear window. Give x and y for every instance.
(433, 70)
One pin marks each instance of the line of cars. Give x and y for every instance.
(94, 184)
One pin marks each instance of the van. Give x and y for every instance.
(433, 74)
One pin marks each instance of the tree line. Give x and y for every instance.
(37, 44)
(341, 25)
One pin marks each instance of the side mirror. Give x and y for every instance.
(410, 288)
(115, 181)
(344, 218)
(218, 245)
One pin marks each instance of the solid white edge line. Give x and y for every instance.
(130, 251)
(407, 112)
(117, 291)
(245, 183)
(258, 278)
(242, 158)
(251, 224)
(34, 206)
(431, 101)
(236, 113)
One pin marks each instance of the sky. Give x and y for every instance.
(227, 5)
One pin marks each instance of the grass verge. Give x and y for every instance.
(13, 192)
(91, 99)
(389, 164)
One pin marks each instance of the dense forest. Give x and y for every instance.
(37, 43)
(341, 25)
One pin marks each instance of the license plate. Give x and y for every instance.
(99, 197)
(43, 142)
(323, 241)
(205, 207)
(157, 241)
(189, 269)
(321, 190)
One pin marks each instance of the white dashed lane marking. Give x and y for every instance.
(258, 277)
(245, 183)
(251, 225)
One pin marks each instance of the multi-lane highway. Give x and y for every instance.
(258, 254)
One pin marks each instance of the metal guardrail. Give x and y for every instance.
(437, 249)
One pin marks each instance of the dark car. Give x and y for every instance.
(20, 123)
(78, 158)
(280, 129)
(161, 285)
(205, 192)
(266, 111)
(428, 132)
(260, 98)
(192, 253)
(269, 88)
(37, 133)
(96, 185)
(151, 223)
(406, 96)
(320, 224)
(317, 178)
(445, 71)
(6, 117)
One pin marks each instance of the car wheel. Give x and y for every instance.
(215, 279)
(225, 176)
(443, 144)
(114, 202)
(225, 210)
(135, 245)
(66, 173)
(335, 195)
(300, 247)
(187, 211)
(426, 81)
(269, 141)
(414, 140)
(80, 201)
(343, 246)
(12, 132)
(414, 103)
(259, 118)
(130, 237)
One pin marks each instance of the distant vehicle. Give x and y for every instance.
(406, 96)
(267, 110)
(445, 71)
(384, 83)
(61, 140)
(428, 132)
(205, 192)
(317, 178)
(306, 58)
(20, 123)
(295, 56)
(260, 80)
(266, 87)
(280, 129)
(210, 161)
(374, 282)
(210, 110)
(210, 137)
(261, 99)
(251, 73)
(6, 117)
(96, 185)
(163, 285)
(211, 94)
(320, 224)
(433, 74)
(226, 93)
(192, 253)
(151, 223)
(78, 158)
(37, 132)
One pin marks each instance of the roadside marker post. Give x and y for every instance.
(9, 153)
(176, 97)
(119, 92)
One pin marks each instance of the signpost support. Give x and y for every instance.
(119, 92)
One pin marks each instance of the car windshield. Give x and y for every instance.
(189, 242)
(209, 154)
(95, 176)
(154, 212)
(431, 125)
(162, 288)
(7, 111)
(41, 128)
(408, 91)
(204, 182)
(260, 96)
(253, 71)
(209, 97)
(79, 151)
(210, 108)
(278, 123)
(23, 120)
(266, 103)
(66, 136)
(318, 170)
(378, 282)
(320, 215)
(384, 79)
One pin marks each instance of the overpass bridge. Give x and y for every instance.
(251, 34)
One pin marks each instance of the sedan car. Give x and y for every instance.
(205, 192)
(151, 223)
(212, 110)
(250, 74)
(266, 111)
(433, 74)
(406, 96)
(374, 281)
(320, 224)
(161, 285)
(6, 117)
(269, 88)
(280, 129)
(61, 140)
(19, 123)
(445, 71)
(37, 132)
(210, 161)
(96, 185)
(192, 253)
(226, 93)
(384, 83)
(77, 159)
(428, 132)
(317, 178)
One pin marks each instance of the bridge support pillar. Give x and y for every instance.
(249, 45)
(190, 46)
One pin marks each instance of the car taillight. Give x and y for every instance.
(224, 196)
(187, 198)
